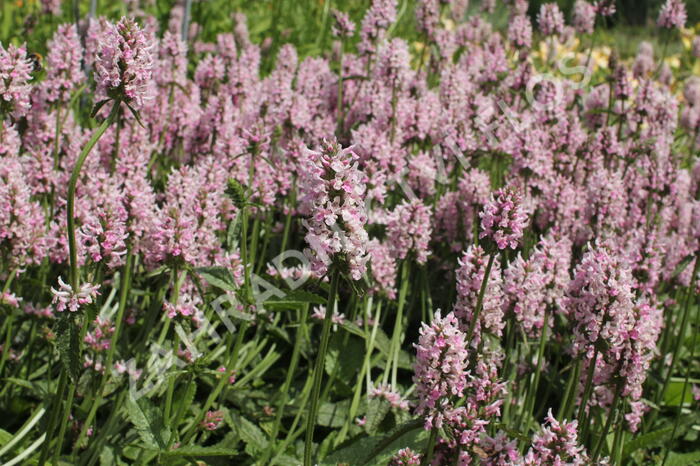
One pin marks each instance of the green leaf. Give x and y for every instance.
(377, 409)
(5, 437)
(333, 414)
(301, 296)
(351, 327)
(200, 452)
(683, 459)
(674, 393)
(682, 265)
(379, 449)
(97, 107)
(344, 360)
(148, 421)
(220, 277)
(252, 436)
(648, 440)
(136, 114)
(68, 345)
(184, 399)
(297, 297)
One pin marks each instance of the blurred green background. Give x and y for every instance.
(307, 23)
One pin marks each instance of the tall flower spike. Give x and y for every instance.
(344, 26)
(556, 444)
(520, 31)
(599, 303)
(583, 17)
(550, 20)
(470, 275)
(63, 72)
(332, 188)
(440, 369)
(377, 20)
(15, 73)
(672, 15)
(124, 64)
(409, 230)
(503, 219)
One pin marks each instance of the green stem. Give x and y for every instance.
(615, 456)
(60, 390)
(532, 391)
(690, 291)
(69, 399)
(364, 372)
(686, 382)
(244, 253)
(117, 135)
(176, 343)
(586, 394)
(231, 364)
(74, 268)
(318, 368)
(480, 299)
(395, 348)
(663, 55)
(430, 447)
(567, 404)
(611, 415)
(123, 296)
(70, 204)
(287, 383)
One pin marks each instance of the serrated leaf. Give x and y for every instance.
(107, 456)
(377, 409)
(648, 440)
(68, 345)
(379, 449)
(148, 421)
(251, 434)
(220, 277)
(286, 460)
(351, 327)
(333, 414)
(382, 342)
(196, 451)
(184, 399)
(683, 459)
(344, 360)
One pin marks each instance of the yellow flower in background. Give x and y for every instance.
(600, 56)
(554, 50)
(673, 61)
(687, 35)
(448, 24)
